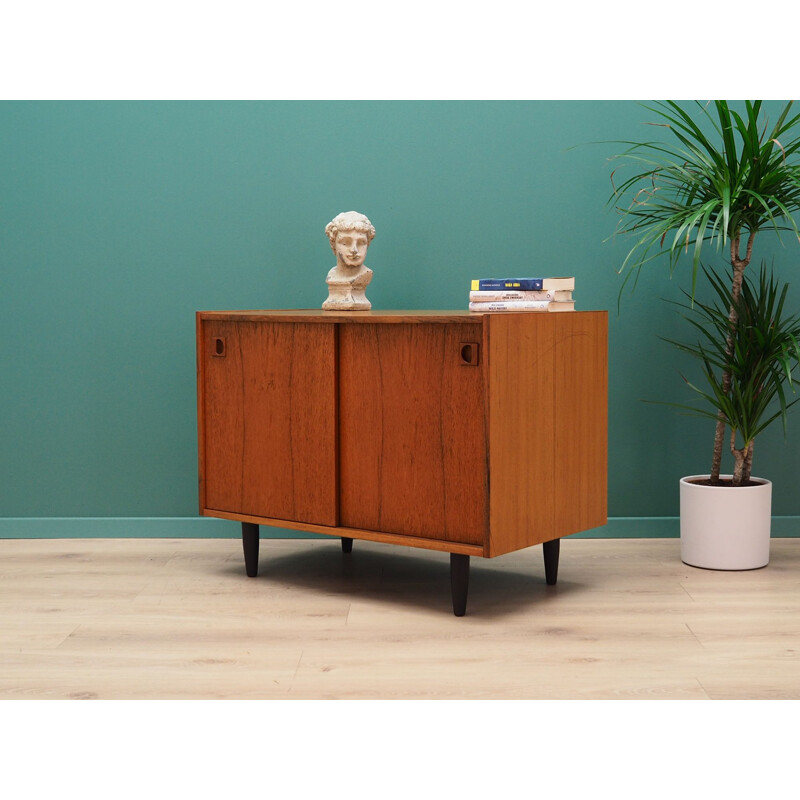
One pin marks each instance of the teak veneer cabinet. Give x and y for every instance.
(469, 433)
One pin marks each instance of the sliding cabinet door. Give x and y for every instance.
(268, 422)
(412, 430)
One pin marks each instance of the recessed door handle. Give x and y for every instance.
(469, 354)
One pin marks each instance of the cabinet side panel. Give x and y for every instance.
(581, 436)
(548, 428)
(412, 437)
(521, 430)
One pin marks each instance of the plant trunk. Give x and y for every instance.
(738, 265)
(740, 460)
(748, 463)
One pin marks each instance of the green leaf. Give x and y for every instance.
(761, 362)
(739, 171)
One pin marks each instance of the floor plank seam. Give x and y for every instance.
(705, 692)
(296, 670)
(67, 637)
(688, 627)
(683, 586)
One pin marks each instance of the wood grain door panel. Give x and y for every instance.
(412, 431)
(270, 419)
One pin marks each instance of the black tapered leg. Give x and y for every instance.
(551, 550)
(459, 582)
(347, 544)
(250, 546)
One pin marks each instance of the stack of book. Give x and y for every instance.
(522, 294)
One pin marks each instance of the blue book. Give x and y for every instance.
(523, 284)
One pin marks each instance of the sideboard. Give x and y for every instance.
(474, 434)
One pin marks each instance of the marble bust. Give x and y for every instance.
(350, 234)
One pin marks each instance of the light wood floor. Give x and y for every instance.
(163, 619)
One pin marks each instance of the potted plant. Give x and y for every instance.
(726, 525)
(719, 180)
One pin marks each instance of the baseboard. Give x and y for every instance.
(670, 528)
(133, 528)
(208, 528)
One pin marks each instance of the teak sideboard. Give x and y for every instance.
(475, 434)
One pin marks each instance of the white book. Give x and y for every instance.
(504, 295)
(524, 305)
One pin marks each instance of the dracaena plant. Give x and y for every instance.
(717, 180)
(760, 360)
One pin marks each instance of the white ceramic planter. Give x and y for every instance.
(725, 527)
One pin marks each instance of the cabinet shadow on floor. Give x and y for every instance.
(408, 578)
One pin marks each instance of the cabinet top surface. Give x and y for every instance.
(317, 315)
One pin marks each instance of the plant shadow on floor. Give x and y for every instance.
(405, 577)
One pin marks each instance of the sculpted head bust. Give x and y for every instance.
(350, 234)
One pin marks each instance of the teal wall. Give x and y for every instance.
(119, 219)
